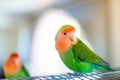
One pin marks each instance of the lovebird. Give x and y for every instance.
(75, 54)
(13, 67)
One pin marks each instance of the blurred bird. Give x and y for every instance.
(75, 54)
(13, 68)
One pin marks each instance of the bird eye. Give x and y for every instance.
(65, 33)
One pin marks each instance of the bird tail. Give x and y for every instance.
(105, 69)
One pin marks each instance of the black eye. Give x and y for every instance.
(65, 33)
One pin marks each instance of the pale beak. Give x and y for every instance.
(15, 62)
(72, 37)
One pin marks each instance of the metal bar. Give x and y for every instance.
(115, 75)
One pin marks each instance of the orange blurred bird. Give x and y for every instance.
(13, 68)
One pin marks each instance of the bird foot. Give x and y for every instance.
(75, 74)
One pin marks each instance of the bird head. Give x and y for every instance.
(65, 38)
(13, 64)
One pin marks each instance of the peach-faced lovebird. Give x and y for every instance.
(75, 54)
(13, 68)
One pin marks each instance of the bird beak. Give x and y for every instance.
(72, 37)
(15, 62)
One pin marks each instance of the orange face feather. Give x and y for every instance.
(13, 64)
(66, 39)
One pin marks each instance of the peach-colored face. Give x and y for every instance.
(66, 39)
(13, 64)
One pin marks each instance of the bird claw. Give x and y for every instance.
(69, 74)
(77, 74)
(74, 74)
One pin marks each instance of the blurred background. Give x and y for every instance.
(29, 27)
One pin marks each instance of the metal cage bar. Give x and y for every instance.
(115, 75)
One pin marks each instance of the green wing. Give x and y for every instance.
(83, 53)
(23, 72)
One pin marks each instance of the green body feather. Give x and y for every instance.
(80, 58)
(22, 73)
